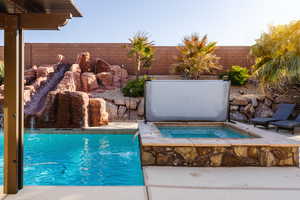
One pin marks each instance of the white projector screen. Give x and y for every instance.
(187, 100)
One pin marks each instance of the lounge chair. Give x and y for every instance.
(282, 114)
(287, 124)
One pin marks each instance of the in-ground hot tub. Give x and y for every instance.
(168, 130)
(223, 144)
(187, 124)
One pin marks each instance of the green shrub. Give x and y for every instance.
(237, 75)
(134, 88)
(1, 73)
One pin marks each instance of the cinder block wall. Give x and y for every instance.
(115, 53)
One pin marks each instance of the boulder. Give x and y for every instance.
(39, 82)
(237, 116)
(105, 79)
(27, 96)
(75, 68)
(234, 108)
(284, 99)
(268, 102)
(121, 111)
(131, 103)
(88, 82)
(77, 80)
(263, 111)
(240, 101)
(120, 101)
(141, 108)
(112, 111)
(44, 71)
(83, 60)
(72, 110)
(67, 83)
(2, 90)
(101, 66)
(248, 110)
(97, 112)
(120, 75)
(30, 74)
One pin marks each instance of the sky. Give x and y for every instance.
(228, 22)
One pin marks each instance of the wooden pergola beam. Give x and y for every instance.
(26, 6)
(38, 21)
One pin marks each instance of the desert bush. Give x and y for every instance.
(237, 75)
(135, 88)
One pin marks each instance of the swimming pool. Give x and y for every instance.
(80, 159)
(199, 132)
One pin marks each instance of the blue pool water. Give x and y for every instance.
(80, 159)
(199, 132)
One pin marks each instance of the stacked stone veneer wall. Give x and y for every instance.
(221, 156)
(116, 54)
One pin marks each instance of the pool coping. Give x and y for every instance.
(111, 128)
(150, 136)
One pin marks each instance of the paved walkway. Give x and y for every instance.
(164, 183)
(178, 183)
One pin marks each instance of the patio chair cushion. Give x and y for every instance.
(262, 121)
(284, 111)
(286, 124)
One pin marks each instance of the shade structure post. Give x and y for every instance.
(11, 104)
(21, 106)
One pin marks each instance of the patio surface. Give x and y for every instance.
(222, 183)
(177, 183)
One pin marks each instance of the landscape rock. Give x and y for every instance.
(263, 111)
(120, 75)
(67, 83)
(72, 110)
(112, 111)
(44, 71)
(131, 103)
(101, 66)
(141, 108)
(121, 112)
(97, 112)
(237, 116)
(75, 68)
(84, 62)
(119, 101)
(105, 79)
(240, 101)
(88, 82)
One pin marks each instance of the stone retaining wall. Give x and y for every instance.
(220, 156)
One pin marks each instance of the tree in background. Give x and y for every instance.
(196, 56)
(141, 49)
(277, 54)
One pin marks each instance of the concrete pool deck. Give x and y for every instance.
(177, 183)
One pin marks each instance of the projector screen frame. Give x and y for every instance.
(145, 105)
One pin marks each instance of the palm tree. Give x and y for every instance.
(196, 56)
(277, 55)
(141, 49)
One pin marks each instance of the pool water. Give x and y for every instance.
(199, 132)
(80, 160)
